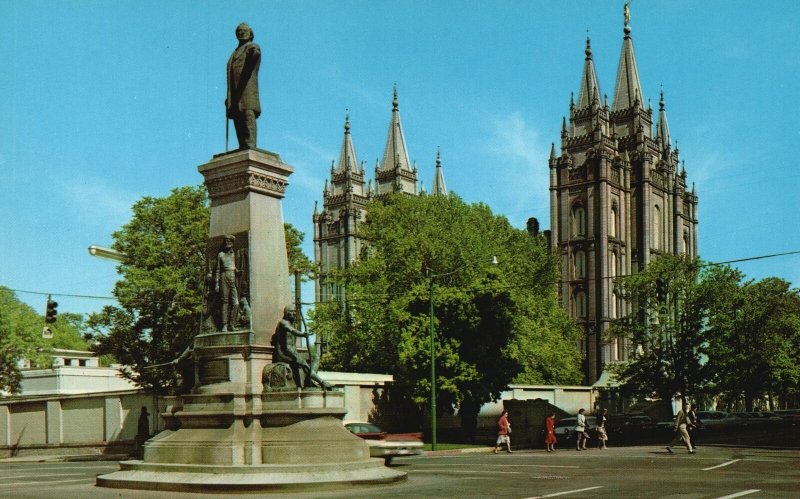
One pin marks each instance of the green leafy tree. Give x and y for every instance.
(494, 326)
(160, 295)
(754, 342)
(670, 302)
(21, 338)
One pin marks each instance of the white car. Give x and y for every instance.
(387, 445)
(565, 428)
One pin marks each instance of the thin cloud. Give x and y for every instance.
(307, 157)
(522, 154)
(92, 199)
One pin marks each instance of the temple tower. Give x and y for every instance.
(618, 197)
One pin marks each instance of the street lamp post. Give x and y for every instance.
(431, 276)
(433, 366)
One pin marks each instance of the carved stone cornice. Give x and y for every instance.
(249, 170)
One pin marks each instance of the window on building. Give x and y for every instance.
(578, 221)
(614, 309)
(580, 264)
(612, 222)
(612, 265)
(686, 242)
(580, 305)
(657, 227)
(615, 349)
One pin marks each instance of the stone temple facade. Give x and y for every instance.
(618, 198)
(345, 199)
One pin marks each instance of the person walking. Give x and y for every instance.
(503, 432)
(693, 424)
(602, 434)
(681, 430)
(581, 437)
(550, 426)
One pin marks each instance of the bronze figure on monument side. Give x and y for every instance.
(225, 284)
(285, 351)
(242, 103)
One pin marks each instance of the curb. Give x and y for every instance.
(466, 450)
(65, 458)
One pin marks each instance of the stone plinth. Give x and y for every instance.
(229, 434)
(246, 188)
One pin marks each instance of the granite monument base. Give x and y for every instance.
(231, 434)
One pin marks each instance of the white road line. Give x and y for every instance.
(467, 471)
(568, 492)
(503, 465)
(48, 483)
(740, 494)
(721, 465)
(12, 477)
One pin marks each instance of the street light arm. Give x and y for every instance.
(107, 253)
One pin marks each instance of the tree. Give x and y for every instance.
(754, 342)
(21, 338)
(161, 291)
(670, 302)
(494, 326)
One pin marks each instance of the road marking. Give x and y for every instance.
(11, 477)
(721, 465)
(48, 483)
(504, 465)
(740, 494)
(568, 492)
(467, 471)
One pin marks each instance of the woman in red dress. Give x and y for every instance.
(550, 426)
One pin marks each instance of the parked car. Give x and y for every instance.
(565, 428)
(715, 420)
(765, 417)
(387, 445)
(789, 416)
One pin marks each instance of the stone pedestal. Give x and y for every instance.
(230, 433)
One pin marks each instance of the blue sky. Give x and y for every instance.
(105, 102)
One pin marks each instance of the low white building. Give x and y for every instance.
(73, 372)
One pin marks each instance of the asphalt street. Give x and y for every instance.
(645, 471)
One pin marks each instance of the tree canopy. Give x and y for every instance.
(669, 305)
(160, 294)
(701, 330)
(493, 325)
(754, 342)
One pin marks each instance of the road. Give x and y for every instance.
(646, 471)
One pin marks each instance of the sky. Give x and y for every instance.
(104, 102)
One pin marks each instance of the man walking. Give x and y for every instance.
(682, 430)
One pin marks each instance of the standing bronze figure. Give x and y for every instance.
(242, 103)
(225, 283)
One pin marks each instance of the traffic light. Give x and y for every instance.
(52, 311)
(661, 290)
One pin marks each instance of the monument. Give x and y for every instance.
(241, 427)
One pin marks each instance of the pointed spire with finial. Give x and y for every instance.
(628, 88)
(348, 161)
(662, 128)
(552, 150)
(589, 87)
(395, 155)
(439, 188)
